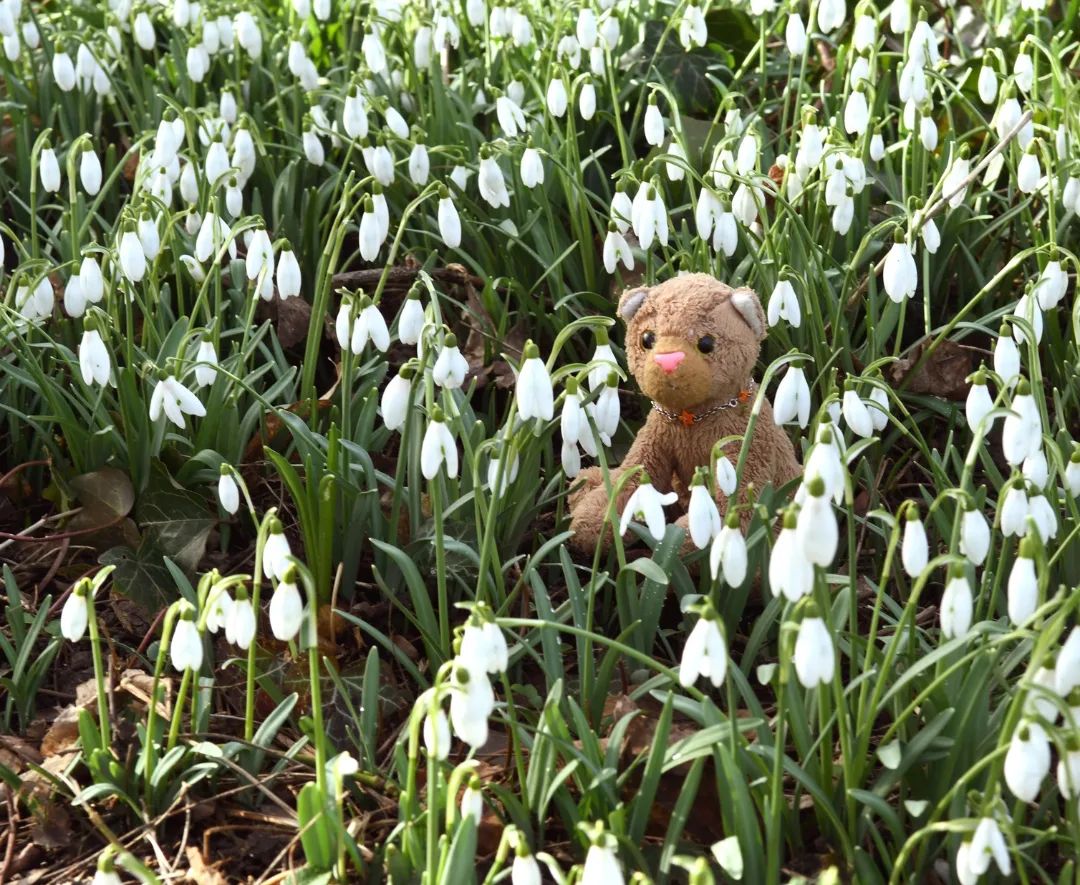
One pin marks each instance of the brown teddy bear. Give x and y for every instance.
(692, 344)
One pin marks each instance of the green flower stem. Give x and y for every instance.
(99, 670)
(256, 587)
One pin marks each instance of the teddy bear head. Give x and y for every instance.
(692, 341)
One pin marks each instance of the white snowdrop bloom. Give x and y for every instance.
(449, 221)
(877, 147)
(216, 166)
(185, 648)
(1028, 171)
(419, 165)
(234, 198)
(860, 73)
(956, 605)
(371, 47)
(214, 232)
(369, 237)
(35, 304)
(647, 504)
(260, 255)
(411, 319)
(705, 652)
(856, 414)
(693, 29)
(369, 326)
(132, 257)
(532, 168)
(931, 236)
(525, 869)
(988, 84)
(1013, 509)
(616, 249)
(172, 399)
(900, 275)
(1022, 429)
(726, 480)
(89, 171)
(12, 47)
(206, 357)
(1045, 516)
(1006, 357)
(91, 279)
(1008, 116)
(728, 555)
(1068, 774)
(792, 400)
(783, 304)
(744, 204)
(603, 361)
(240, 621)
(288, 274)
(276, 552)
(987, 844)
(952, 183)
(1067, 667)
(1023, 586)
(703, 516)
(436, 730)
(49, 170)
(1024, 71)
(1070, 195)
(471, 703)
(1072, 474)
(228, 491)
(814, 657)
(974, 535)
(450, 366)
(313, 147)
(914, 546)
(189, 184)
(900, 16)
(856, 113)
(395, 400)
(794, 35)
(825, 460)
(601, 866)
(1027, 761)
(811, 148)
(924, 44)
(673, 168)
(706, 213)
(354, 117)
(511, 117)
(556, 97)
(198, 62)
(790, 572)
(610, 28)
(816, 529)
(653, 123)
(472, 802)
(535, 397)
(286, 608)
(149, 237)
(586, 30)
(94, 359)
(864, 34)
(726, 234)
(878, 406)
(606, 411)
(1035, 469)
(438, 448)
(75, 615)
(587, 101)
(63, 70)
(569, 50)
(1027, 307)
(74, 299)
(831, 15)
(1052, 285)
(491, 183)
(500, 475)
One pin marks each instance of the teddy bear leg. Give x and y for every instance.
(587, 515)
(587, 480)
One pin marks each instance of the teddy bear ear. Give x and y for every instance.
(631, 302)
(746, 302)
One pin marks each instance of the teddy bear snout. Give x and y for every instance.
(669, 362)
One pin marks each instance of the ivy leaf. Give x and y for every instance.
(141, 575)
(173, 519)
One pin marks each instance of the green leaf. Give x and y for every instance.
(174, 519)
(890, 755)
(141, 575)
(729, 855)
(315, 827)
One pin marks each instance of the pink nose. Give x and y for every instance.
(669, 362)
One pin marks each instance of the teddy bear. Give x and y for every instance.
(692, 343)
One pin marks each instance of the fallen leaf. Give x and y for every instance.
(942, 373)
(199, 871)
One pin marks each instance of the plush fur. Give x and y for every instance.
(678, 313)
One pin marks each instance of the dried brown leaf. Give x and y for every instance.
(943, 372)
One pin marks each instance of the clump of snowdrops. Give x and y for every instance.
(880, 672)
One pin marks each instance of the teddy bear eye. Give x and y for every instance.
(706, 344)
(648, 340)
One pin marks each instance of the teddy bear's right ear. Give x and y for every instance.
(631, 302)
(746, 302)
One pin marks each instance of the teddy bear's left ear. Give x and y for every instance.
(745, 301)
(631, 302)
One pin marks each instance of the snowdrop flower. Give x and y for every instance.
(622, 209)
(471, 703)
(1021, 433)
(511, 117)
(89, 171)
(794, 35)
(525, 869)
(705, 652)
(450, 366)
(75, 615)
(647, 504)
(213, 233)
(856, 112)
(900, 275)
(396, 123)
(535, 398)
(91, 281)
(532, 168)
(483, 645)
(1027, 761)
(587, 101)
(1068, 772)
(987, 844)
(816, 530)
(313, 147)
(286, 607)
(783, 304)
(1072, 473)
(419, 165)
(831, 15)
(931, 236)
(556, 96)
(63, 70)
(1024, 70)
(1013, 509)
(653, 123)
(500, 475)
(1027, 308)
(601, 864)
(1067, 666)
(1006, 357)
(395, 399)
(472, 801)
(174, 400)
(49, 170)
(856, 413)
(369, 237)
(956, 604)
(1045, 517)
(411, 318)
(979, 403)
(93, 358)
(900, 16)
(815, 657)
(878, 407)
(988, 83)
(606, 410)
(1023, 584)
(288, 274)
(703, 515)
(790, 572)
(227, 490)
(260, 255)
(74, 298)
(276, 551)
(974, 535)
(728, 553)
(436, 731)
(864, 34)
(354, 117)
(616, 249)
(1035, 469)
(1052, 285)
(952, 183)
(693, 30)
(491, 183)
(449, 220)
(186, 649)
(877, 147)
(1028, 171)
(438, 448)
(914, 547)
(149, 238)
(792, 400)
